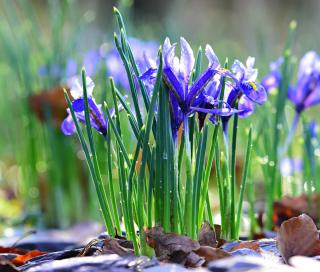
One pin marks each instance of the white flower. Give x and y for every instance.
(76, 89)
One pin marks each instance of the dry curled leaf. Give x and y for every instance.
(22, 259)
(211, 254)
(292, 206)
(250, 245)
(298, 236)
(174, 248)
(217, 230)
(14, 250)
(117, 246)
(207, 236)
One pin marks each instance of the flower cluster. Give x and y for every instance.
(187, 97)
(144, 53)
(202, 95)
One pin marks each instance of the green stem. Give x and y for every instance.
(92, 167)
(204, 192)
(189, 192)
(243, 181)
(233, 181)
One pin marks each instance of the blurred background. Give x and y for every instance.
(232, 27)
(43, 177)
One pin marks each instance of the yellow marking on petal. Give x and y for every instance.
(254, 86)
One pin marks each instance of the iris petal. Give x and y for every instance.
(149, 74)
(238, 69)
(211, 56)
(67, 126)
(313, 98)
(245, 106)
(306, 64)
(200, 84)
(186, 60)
(78, 104)
(270, 81)
(173, 83)
(76, 88)
(255, 92)
(168, 56)
(225, 111)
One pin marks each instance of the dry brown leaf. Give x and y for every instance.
(211, 254)
(14, 250)
(250, 245)
(217, 230)
(298, 236)
(22, 259)
(174, 248)
(207, 236)
(52, 100)
(193, 260)
(291, 206)
(115, 246)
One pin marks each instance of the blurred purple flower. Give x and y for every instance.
(71, 68)
(306, 92)
(290, 166)
(43, 71)
(57, 71)
(91, 61)
(145, 54)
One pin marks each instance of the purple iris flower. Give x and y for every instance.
(185, 98)
(243, 91)
(306, 93)
(177, 73)
(145, 54)
(245, 78)
(97, 119)
(209, 100)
